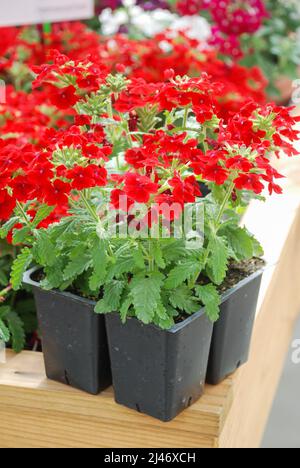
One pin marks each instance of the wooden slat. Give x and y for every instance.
(25, 393)
(255, 384)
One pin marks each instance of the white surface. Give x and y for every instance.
(19, 12)
(283, 430)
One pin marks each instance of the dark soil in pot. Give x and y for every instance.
(232, 333)
(73, 338)
(159, 372)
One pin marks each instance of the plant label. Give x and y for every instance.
(22, 12)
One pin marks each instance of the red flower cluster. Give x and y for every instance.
(164, 164)
(68, 160)
(25, 117)
(146, 59)
(150, 59)
(30, 46)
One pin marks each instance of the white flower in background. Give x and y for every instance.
(195, 26)
(111, 21)
(150, 23)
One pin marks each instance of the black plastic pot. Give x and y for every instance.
(73, 338)
(159, 372)
(232, 333)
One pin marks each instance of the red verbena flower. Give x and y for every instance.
(139, 188)
(63, 98)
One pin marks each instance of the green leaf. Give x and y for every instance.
(77, 265)
(44, 249)
(162, 319)
(122, 265)
(173, 250)
(211, 299)
(16, 328)
(54, 276)
(20, 235)
(183, 299)
(138, 257)
(4, 230)
(19, 267)
(218, 261)
(99, 261)
(240, 242)
(181, 273)
(258, 250)
(125, 309)
(111, 298)
(158, 255)
(4, 332)
(3, 278)
(4, 310)
(42, 213)
(146, 295)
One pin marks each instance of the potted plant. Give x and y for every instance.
(125, 227)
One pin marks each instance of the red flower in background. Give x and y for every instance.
(87, 177)
(63, 98)
(56, 193)
(185, 191)
(7, 205)
(249, 182)
(139, 188)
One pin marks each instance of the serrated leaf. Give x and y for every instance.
(111, 298)
(4, 332)
(162, 319)
(44, 249)
(19, 267)
(4, 310)
(3, 278)
(54, 276)
(99, 261)
(138, 257)
(182, 299)
(240, 242)
(20, 235)
(122, 265)
(4, 230)
(173, 250)
(211, 299)
(218, 261)
(42, 213)
(258, 250)
(16, 328)
(181, 273)
(146, 295)
(77, 266)
(158, 255)
(125, 309)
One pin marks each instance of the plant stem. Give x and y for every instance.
(5, 291)
(24, 215)
(90, 208)
(205, 145)
(223, 206)
(186, 115)
(218, 224)
(151, 259)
